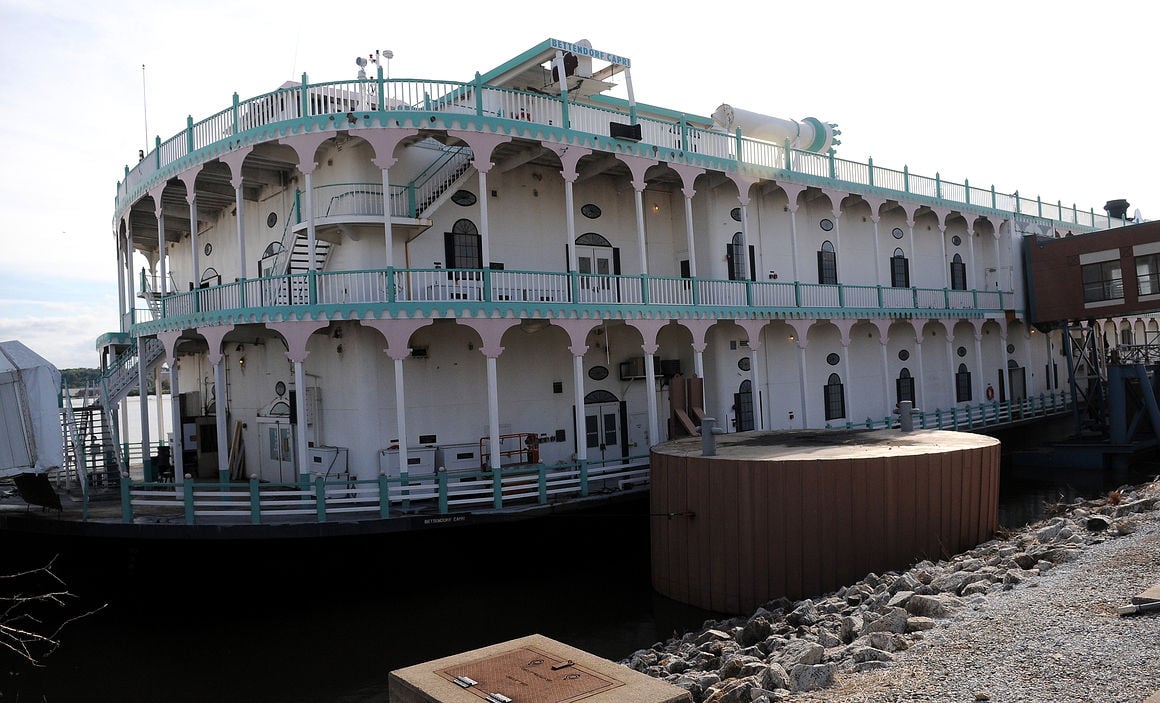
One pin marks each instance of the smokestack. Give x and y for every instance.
(1116, 209)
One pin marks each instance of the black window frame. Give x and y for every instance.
(1102, 280)
(904, 387)
(827, 264)
(735, 258)
(963, 384)
(899, 269)
(958, 273)
(834, 398)
(1148, 282)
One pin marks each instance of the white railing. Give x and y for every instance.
(530, 287)
(860, 297)
(897, 298)
(721, 293)
(670, 291)
(820, 296)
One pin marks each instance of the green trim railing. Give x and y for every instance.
(438, 104)
(320, 499)
(967, 416)
(401, 287)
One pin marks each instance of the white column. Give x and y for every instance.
(484, 230)
(699, 360)
(578, 399)
(130, 276)
(1027, 354)
(240, 206)
(191, 198)
(921, 372)
(688, 193)
(311, 242)
(120, 281)
(1050, 362)
(221, 410)
(942, 231)
(388, 230)
(793, 248)
(161, 250)
(755, 379)
(300, 409)
(143, 401)
(160, 404)
(743, 265)
(973, 271)
(978, 392)
(640, 235)
(401, 412)
(953, 368)
(846, 383)
(570, 226)
(886, 394)
(878, 277)
(802, 381)
(493, 411)
(650, 386)
(175, 422)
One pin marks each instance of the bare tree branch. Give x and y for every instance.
(34, 607)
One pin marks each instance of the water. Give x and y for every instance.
(326, 620)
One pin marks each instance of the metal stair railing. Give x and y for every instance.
(437, 179)
(120, 377)
(74, 446)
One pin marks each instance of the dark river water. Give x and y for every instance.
(327, 620)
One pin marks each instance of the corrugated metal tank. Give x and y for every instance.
(800, 514)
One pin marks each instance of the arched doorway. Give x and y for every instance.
(743, 407)
(598, 261)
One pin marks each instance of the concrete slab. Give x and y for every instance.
(1151, 595)
(1154, 698)
(532, 669)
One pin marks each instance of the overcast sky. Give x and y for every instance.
(1057, 99)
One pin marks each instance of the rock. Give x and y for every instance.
(982, 696)
(775, 677)
(851, 627)
(756, 630)
(939, 606)
(976, 588)
(810, 678)
(1098, 523)
(893, 620)
(1047, 534)
(866, 654)
(801, 652)
(955, 582)
(918, 624)
(886, 641)
(804, 614)
(898, 600)
(677, 666)
(732, 667)
(828, 639)
(735, 691)
(971, 565)
(1024, 560)
(712, 636)
(1136, 506)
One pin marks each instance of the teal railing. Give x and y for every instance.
(969, 416)
(395, 101)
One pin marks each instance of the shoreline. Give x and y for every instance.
(1029, 615)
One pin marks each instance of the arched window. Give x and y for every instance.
(591, 239)
(742, 266)
(463, 246)
(210, 277)
(963, 384)
(904, 386)
(899, 270)
(827, 264)
(834, 398)
(958, 273)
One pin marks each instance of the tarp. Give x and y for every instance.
(30, 436)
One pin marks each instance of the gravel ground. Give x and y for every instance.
(1053, 638)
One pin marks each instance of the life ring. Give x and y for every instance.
(990, 393)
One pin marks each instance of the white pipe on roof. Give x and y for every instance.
(810, 134)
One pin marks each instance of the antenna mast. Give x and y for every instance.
(145, 108)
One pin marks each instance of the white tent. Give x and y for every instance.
(30, 437)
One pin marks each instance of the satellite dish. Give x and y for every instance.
(360, 61)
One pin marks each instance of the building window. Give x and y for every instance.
(904, 386)
(963, 384)
(741, 263)
(743, 406)
(958, 273)
(463, 246)
(834, 398)
(1126, 336)
(1102, 281)
(827, 264)
(1148, 274)
(899, 270)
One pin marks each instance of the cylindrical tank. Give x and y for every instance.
(810, 134)
(802, 513)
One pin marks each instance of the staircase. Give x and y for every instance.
(440, 180)
(122, 375)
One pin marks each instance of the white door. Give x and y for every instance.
(602, 432)
(596, 270)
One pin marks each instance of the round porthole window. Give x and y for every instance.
(1010, 348)
(833, 359)
(735, 213)
(271, 219)
(463, 198)
(903, 355)
(208, 249)
(961, 351)
(956, 240)
(743, 363)
(280, 388)
(590, 210)
(598, 373)
(896, 232)
(826, 224)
